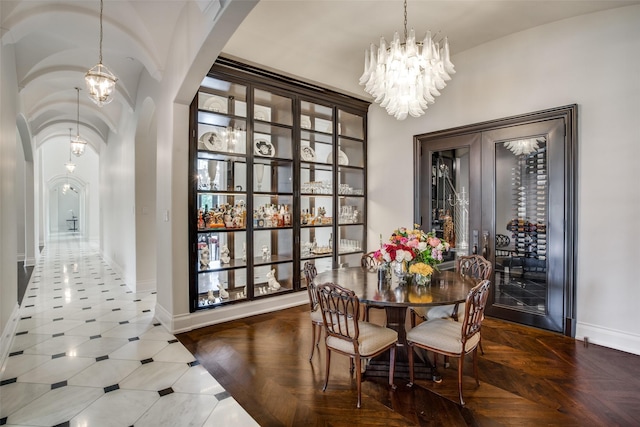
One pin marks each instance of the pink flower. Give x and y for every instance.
(433, 242)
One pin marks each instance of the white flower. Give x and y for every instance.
(422, 246)
(402, 255)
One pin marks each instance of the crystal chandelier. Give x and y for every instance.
(405, 77)
(70, 165)
(77, 143)
(100, 81)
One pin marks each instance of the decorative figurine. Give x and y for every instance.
(210, 296)
(222, 292)
(224, 254)
(271, 280)
(244, 252)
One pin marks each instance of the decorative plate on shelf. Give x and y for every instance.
(215, 105)
(212, 141)
(342, 158)
(264, 148)
(307, 154)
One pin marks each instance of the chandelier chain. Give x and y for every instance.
(100, 54)
(405, 20)
(78, 112)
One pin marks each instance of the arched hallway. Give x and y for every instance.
(88, 351)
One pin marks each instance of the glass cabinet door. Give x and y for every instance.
(350, 160)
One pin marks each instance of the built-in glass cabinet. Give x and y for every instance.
(277, 178)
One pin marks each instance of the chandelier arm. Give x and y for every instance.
(405, 21)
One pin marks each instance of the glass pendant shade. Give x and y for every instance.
(404, 78)
(77, 146)
(100, 83)
(70, 166)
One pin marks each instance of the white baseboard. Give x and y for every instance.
(187, 322)
(145, 285)
(8, 334)
(30, 262)
(20, 257)
(611, 338)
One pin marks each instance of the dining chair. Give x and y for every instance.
(470, 265)
(310, 273)
(347, 335)
(369, 262)
(442, 336)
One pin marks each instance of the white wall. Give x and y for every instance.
(8, 153)
(592, 60)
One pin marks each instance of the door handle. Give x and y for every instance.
(485, 244)
(474, 242)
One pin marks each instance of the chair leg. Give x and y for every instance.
(358, 361)
(475, 365)
(366, 313)
(411, 356)
(313, 340)
(460, 366)
(326, 378)
(480, 345)
(392, 366)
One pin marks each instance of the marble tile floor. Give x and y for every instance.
(88, 352)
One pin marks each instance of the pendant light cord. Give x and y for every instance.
(100, 56)
(78, 112)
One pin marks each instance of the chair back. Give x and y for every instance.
(310, 273)
(474, 310)
(475, 266)
(369, 262)
(340, 312)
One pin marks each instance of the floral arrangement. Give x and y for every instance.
(418, 252)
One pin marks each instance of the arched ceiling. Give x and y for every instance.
(321, 41)
(55, 43)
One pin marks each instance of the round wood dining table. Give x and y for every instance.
(446, 288)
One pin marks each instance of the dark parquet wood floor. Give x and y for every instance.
(528, 377)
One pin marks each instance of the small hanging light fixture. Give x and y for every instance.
(100, 81)
(78, 144)
(70, 165)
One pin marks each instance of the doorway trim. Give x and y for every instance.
(83, 201)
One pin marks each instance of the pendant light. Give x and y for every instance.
(78, 144)
(100, 81)
(70, 165)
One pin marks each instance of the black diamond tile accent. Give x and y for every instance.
(33, 296)
(80, 290)
(137, 300)
(111, 388)
(145, 361)
(8, 381)
(58, 318)
(58, 385)
(115, 309)
(194, 363)
(134, 339)
(57, 289)
(101, 358)
(58, 335)
(105, 291)
(16, 353)
(79, 283)
(55, 356)
(57, 306)
(31, 305)
(86, 308)
(22, 333)
(110, 299)
(55, 283)
(100, 284)
(84, 298)
(93, 337)
(157, 324)
(64, 424)
(53, 297)
(90, 320)
(165, 391)
(124, 322)
(25, 318)
(222, 395)
(172, 341)
(33, 289)
(128, 292)
(153, 293)
(146, 311)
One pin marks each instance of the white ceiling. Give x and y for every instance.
(321, 41)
